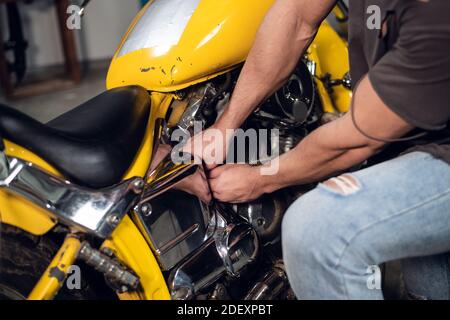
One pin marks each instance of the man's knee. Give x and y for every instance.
(344, 185)
(304, 231)
(318, 225)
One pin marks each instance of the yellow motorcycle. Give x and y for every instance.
(79, 195)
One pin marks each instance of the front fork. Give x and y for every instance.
(72, 249)
(55, 275)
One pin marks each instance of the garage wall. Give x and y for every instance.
(103, 26)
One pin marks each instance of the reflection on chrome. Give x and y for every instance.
(188, 235)
(93, 211)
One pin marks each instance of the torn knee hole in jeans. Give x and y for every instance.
(344, 185)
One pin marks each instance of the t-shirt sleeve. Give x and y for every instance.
(413, 78)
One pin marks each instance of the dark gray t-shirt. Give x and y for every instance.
(407, 58)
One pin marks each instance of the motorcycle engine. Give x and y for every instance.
(294, 105)
(294, 110)
(208, 246)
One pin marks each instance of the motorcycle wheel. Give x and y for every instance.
(24, 258)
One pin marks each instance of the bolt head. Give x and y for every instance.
(114, 219)
(146, 209)
(108, 251)
(138, 186)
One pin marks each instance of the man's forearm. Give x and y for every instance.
(280, 42)
(314, 160)
(339, 145)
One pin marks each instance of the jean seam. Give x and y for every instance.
(404, 211)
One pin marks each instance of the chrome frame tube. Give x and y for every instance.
(93, 211)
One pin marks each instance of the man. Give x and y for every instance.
(335, 235)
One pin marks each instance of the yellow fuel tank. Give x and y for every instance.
(173, 44)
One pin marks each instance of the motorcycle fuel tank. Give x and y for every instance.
(173, 44)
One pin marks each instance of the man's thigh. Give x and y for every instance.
(394, 210)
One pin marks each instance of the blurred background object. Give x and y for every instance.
(102, 28)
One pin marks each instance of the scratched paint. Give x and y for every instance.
(57, 273)
(161, 26)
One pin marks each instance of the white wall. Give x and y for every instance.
(103, 26)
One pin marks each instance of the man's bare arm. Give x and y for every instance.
(330, 149)
(339, 145)
(285, 34)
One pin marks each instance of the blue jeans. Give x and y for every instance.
(334, 238)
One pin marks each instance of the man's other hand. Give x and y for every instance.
(236, 183)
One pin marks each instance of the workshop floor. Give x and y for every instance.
(48, 106)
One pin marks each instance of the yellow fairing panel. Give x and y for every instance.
(217, 37)
(131, 248)
(19, 212)
(330, 52)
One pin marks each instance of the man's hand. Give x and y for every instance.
(236, 183)
(196, 185)
(210, 145)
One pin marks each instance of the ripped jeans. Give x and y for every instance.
(335, 236)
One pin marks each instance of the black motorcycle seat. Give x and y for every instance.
(92, 145)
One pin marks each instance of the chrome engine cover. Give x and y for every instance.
(194, 242)
(197, 244)
(232, 249)
(176, 225)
